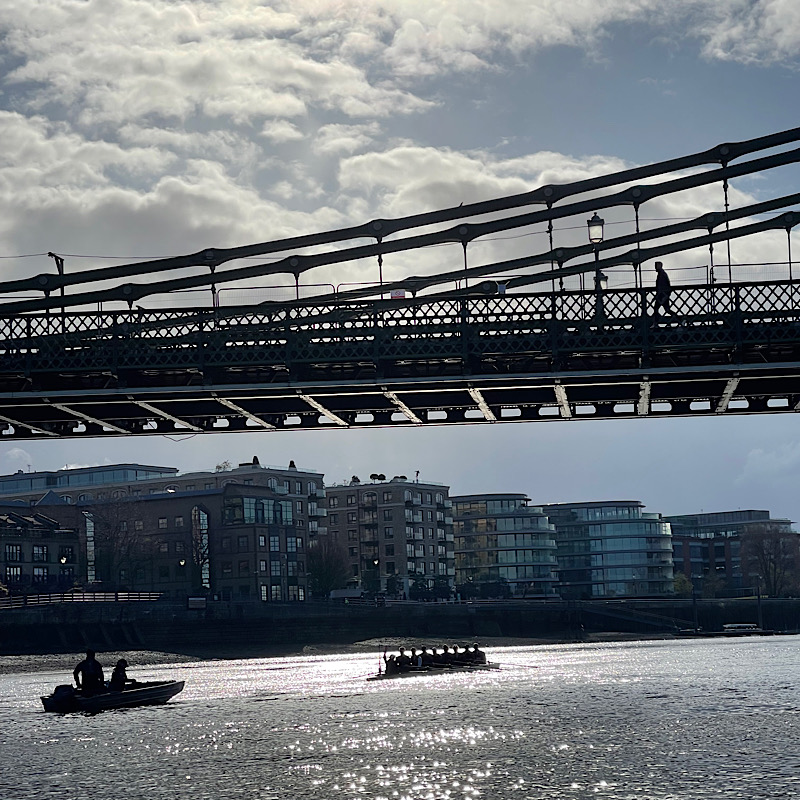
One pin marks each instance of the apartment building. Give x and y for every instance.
(397, 533)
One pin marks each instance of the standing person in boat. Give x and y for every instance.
(119, 677)
(88, 675)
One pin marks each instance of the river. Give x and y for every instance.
(663, 720)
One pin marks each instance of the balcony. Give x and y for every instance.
(281, 489)
(315, 511)
(317, 492)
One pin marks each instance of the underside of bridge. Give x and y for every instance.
(508, 344)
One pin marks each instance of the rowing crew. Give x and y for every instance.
(431, 659)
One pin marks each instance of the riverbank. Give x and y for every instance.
(139, 659)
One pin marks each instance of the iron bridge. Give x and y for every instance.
(510, 343)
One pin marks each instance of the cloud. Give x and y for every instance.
(780, 464)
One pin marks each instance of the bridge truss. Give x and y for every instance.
(516, 347)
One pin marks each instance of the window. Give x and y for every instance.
(389, 549)
(162, 522)
(178, 522)
(410, 550)
(227, 568)
(244, 567)
(262, 542)
(262, 565)
(138, 525)
(354, 570)
(388, 532)
(189, 487)
(296, 593)
(429, 516)
(428, 497)
(351, 499)
(40, 575)
(387, 497)
(275, 593)
(225, 544)
(333, 502)
(351, 517)
(163, 547)
(248, 481)
(66, 554)
(387, 514)
(275, 544)
(334, 519)
(39, 552)
(352, 552)
(291, 544)
(291, 568)
(13, 552)
(180, 547)
(208, 485)
(275, 569)
(13, 574)
(352, 536)
(243, 544)
(298, 487)
(298, 506)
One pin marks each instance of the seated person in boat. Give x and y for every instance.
(426, 658)
(416, 659)
(445, 658)
(403, 661)
(478, 656)
(462, 659)
(392, 667)
(88, 675)
(119, 677)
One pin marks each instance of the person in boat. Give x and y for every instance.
(445, 657)
(479, 657)
(392, 667)
(426, 658)
(88, 675)
(119, 677)
(416, 658)
(403, 661)
(461, 659)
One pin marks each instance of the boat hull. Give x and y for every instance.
(142, 694)
(416, 673)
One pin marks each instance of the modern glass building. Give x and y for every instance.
(611, 549)
(499, 539)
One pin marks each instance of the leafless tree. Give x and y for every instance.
(327, 566)
(123, 541)
(773, 554)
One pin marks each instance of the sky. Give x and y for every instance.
(136, 129)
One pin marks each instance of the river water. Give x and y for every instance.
(665, 720)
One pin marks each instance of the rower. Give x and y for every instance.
(478, 654)
(403, 661)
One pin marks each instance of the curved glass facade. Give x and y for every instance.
(612, 549)
(500, 539)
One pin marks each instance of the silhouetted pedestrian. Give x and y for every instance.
(663, 291)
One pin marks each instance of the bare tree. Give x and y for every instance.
(772, 553)
(327, 566)
(123, 544)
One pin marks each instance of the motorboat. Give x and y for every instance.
(416, 672)
(66, 698)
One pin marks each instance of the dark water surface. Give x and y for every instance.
(667, 720)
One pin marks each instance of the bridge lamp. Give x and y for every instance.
(595, 225)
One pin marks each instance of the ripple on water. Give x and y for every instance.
(653, 722)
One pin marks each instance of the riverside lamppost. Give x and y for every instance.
(595, 225)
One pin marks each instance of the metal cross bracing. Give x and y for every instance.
(503, 346)
(725, 349)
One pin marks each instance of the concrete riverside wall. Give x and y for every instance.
(228, 628)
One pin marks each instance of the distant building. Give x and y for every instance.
(710, 545)
(611, 549)
(397, 533)
(240, 533)
(39, 554)
(502, 541)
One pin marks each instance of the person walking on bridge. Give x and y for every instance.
(663, 291)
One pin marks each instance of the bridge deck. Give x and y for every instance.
(451, 360)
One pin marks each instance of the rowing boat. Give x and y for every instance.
(444, 670)
(66, 699)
